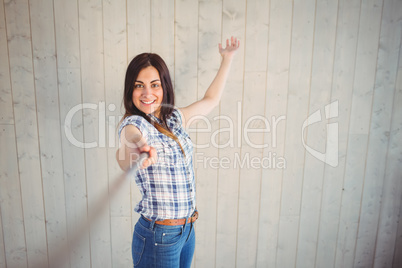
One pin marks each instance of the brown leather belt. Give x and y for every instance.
(174, 222)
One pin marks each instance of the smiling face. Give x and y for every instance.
(148, 91)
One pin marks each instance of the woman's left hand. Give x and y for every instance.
(231, 48)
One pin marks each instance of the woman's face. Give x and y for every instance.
(148, 91)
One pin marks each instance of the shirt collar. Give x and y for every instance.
(154, 118)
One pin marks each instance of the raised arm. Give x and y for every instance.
(214, 92)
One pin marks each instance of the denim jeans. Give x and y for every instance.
(157, 245)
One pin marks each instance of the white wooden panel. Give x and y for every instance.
(299, 87)
(44, 55)
(115, 66)
(233, 24)
(74, 163)
(162, 31)
(10, 201)
(379, 133)
(253, 112)
(2, 250)
(186, 53)
(280, 25)
(320, 96)
(366, 59)
(342, 84)
(388, 248)
(256, 43)
(23, 91)
(93, 93)
(115, 42)
(69, 83)
(209, 36)
(397, 250)
(138, 27)
(121, 242)
(250, 174)
(6, 108)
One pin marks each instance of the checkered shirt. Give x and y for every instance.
(167, 187)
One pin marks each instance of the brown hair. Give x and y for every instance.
(140, 62)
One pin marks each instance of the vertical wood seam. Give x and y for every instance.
(241, 134)
(396, 237)
(386, 158)
(37, 130)
(347, 136)
(218, 152)
(15, 131)
(368, 137)
(83, 129)
(263, 136)
(325, 166)
(308, 111)
(60, 132)
(2, 241)
(106, 146)
(284, 134)
(150, 25)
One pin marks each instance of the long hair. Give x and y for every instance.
(140, 62)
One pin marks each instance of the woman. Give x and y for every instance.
(164, 234)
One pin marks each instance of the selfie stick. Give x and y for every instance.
(63, 252)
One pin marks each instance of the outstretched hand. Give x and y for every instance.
(231, 48)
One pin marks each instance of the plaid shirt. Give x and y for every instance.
(167, 187)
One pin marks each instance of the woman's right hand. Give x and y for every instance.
(152, 155)
(132, 144)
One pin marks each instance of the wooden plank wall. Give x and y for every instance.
(264, 199)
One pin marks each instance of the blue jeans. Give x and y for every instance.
(157, 245)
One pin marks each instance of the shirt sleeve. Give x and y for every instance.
(138, 121)
(177, 117)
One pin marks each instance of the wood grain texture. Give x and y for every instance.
(93, 94)
(233, 23)
(209, 36)
(163, 32)
(26, 129)
(12, 217)
(388, 247)
(342, 84)
(115, 58)
(69, 84)
(363, 85)
(46, 84)
(294, 153)
(379, 134)
(138, 27)
(254, 126)
(2, 250)
(316, 137)
(6, 104)
(279, 43)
